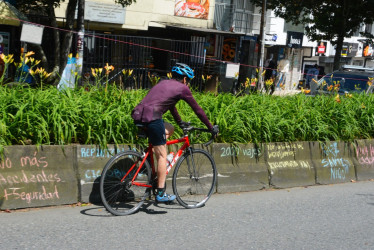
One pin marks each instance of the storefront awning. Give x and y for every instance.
(9, 15)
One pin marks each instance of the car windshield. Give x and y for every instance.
(347, 82)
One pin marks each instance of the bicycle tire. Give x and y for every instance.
(123, 198)
(194, 190)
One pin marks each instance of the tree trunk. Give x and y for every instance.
(338, 51)
(68, 36)
(260, 58)
(56, 34)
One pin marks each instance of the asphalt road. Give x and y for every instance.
(319, 217)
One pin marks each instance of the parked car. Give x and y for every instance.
(349, 79)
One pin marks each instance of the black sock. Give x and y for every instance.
(160, 191)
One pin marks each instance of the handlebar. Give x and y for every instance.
(190, 128)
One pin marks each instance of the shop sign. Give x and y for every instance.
(104, 12)
(294, 39)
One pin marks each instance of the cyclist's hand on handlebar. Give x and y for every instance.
(183, 124)
(215, 131)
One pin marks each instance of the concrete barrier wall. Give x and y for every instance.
(333, 162)
(290, 164)
(91, 161)
(56, 175)
(363, 159)
(240, 167)
(34, 177)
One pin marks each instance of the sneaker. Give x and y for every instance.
(165, 198)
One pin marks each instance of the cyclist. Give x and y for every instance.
(161, 98)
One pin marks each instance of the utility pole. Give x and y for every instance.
(260, 85)
(80, 39)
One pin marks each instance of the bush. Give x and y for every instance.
(101, 115)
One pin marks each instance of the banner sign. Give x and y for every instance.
(368, 50)
(192, 8)
(349, 49)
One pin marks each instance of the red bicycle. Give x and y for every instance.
(129, 177)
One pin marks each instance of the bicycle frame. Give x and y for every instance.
(149, 151)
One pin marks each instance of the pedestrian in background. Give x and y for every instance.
(312, 73)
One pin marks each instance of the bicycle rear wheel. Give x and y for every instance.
(120, 195)
(194, 178)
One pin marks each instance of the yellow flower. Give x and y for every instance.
(348, 95)
(236, 74)
(100, 70)
(7, 59)
(70, 55)
(32, 72)
(370, 82)
(30, 53)
(337, 98)
(336, 87)
(202, 76)
(130, 72)
(93, 72)
(305, 91)
(169, 75)
(329, 88)
(109, 68)
(362, 106)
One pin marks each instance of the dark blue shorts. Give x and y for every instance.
(156, 132)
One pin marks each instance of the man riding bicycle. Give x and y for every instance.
(161, 98)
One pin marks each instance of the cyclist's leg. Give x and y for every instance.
(157, 137)
(160, 152)
(169, 130)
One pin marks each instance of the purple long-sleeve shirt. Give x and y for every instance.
(163, 97)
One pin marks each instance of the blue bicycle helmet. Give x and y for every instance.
(183, 69)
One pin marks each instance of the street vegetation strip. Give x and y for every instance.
(101, 116)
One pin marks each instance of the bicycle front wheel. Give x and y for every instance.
(194, 178)
(120, 193)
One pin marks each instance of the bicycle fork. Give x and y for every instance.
(191, 166)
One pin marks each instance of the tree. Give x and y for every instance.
(330, 20)
(62, 39)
